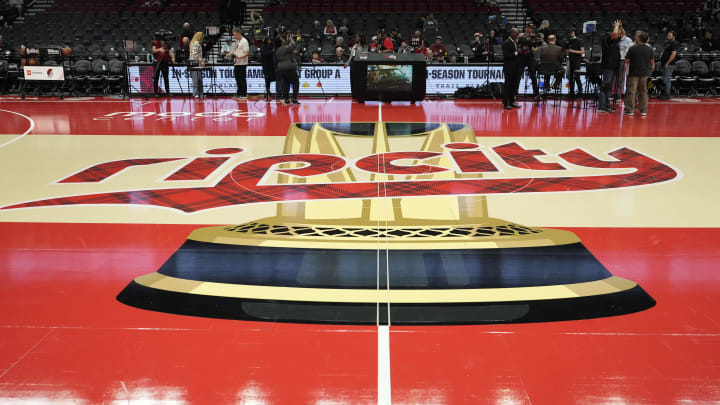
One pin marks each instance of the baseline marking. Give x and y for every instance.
(32, 126)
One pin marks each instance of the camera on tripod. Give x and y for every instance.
(301, 42)
(565, 44)
(164, 36)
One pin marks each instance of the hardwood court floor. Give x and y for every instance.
(64, 338)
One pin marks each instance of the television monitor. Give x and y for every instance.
(388, 77)
(393, 78)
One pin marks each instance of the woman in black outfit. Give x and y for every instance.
(278, 42)
(267, 58)
(287, 70)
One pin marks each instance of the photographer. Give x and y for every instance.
(526, 51)
(163, 55)
(267, 58)
(287, 70)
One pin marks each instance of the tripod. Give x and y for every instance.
(129, 88)
(488, 56)
(526, 74)
(177, 77)
(213, 82)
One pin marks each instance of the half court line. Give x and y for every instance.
(383, 373)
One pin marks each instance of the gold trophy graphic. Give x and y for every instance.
(430, 260)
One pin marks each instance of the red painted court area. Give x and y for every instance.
(64, 338)
(684, 118)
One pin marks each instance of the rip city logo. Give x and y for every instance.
(222, 115)
(248, 182)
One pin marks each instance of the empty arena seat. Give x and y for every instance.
(116, 75)
(98, 72)
(81, 74)
(705, 82)
(685, 79)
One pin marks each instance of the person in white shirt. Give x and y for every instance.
(196, 58)
(624, 44)
(240, 52)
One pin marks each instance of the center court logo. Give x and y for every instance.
(405, 174)
(319, 258)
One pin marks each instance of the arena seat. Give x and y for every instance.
(705, 82)
(80, 76)
(98, 72)
(96, 29)
(686, 80)
(116, 75)
(108, 22)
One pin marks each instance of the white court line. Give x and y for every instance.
(32, 126)
(24, 355)
(383, 331)
(384, 395)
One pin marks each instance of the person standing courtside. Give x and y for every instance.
(668, 60)
(196, 59)
(163, 55)
(240, 52)
(510, 69)
(610, 63)
(267, 57)
(625, 44)
(287, 70)
(575, 49)
(527, 44)
(640, 63)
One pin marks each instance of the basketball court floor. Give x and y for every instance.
(447, 252)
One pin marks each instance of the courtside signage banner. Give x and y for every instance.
(332, 79)
(446, 79)
(44, 73)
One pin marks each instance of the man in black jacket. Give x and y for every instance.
(511, 69)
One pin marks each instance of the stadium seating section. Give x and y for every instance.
(106, 23)
(96, 29)
(304, 7)
(457, 19)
